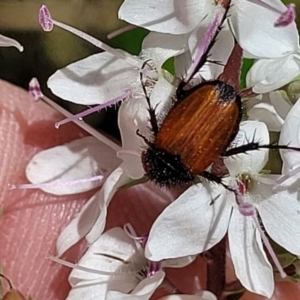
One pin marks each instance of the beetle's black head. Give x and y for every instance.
(165, 169)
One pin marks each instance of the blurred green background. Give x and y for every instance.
(44, 53)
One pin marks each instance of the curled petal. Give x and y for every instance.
(133, 116)
(92, 218)
(290, 135)
(81, 159)
(267, 75)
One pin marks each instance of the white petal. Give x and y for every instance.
(290, 135)
(178, 262)
(260, 37)
(279, 210)
(271, 110)
(265, 112)
(160, 47)
(79, 159)
(92, 217)
(249, 259)
(203, 295)
(183, 229)
(8, 42)
(166, 16)
(282, 104)
(94, 80)
(133, 116)
(270, 74)
(88, 290)
(143, 290)
(250, 162)
(115, 253)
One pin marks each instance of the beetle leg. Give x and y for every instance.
(256, 146)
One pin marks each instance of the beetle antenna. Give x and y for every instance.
(153, 119)
(205, 46)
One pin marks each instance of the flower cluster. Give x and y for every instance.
(250, 205)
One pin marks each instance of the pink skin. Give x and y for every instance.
(32, 219)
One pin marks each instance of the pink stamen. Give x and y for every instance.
(54, 183)
(120, 31)
(286, 17)
(288, 175)
(129, 230)
(203, 45)
(78, 267)
(34, 89)
(248, 210)
(93, 109)
(153, 268)
(45, 18)
(269, 247)
(47, 23)
(83, 125)
(197, 285)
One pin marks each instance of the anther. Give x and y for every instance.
(45, 18)
(34, 89)
(286, 17)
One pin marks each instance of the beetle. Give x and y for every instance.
(199, 128)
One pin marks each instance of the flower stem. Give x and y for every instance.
(216, 269)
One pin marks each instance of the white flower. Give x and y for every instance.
(252, 22)
(270, 108)
(114, 267)
(270, 74)
(203, 214)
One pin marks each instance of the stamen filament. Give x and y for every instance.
(154, 267)
(288, 175)
(93, 109)
(54, 183)
(120, 31)
(78, 267)
(129, 230)
(83, 125)
(269, 247)
(127, 151)
(248, 210)
(47, 23)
